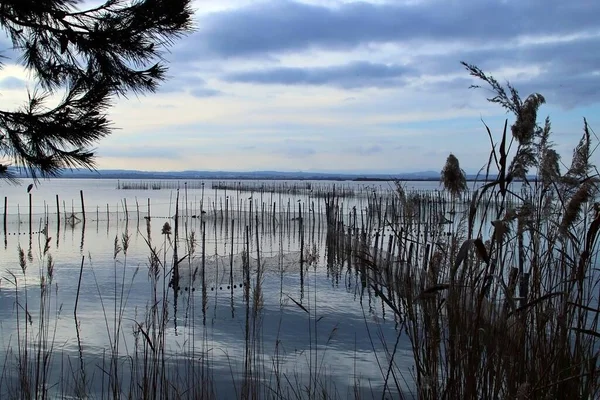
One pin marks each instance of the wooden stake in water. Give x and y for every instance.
(257, 288)
(231, 256)
(5, 208)
(204, 294)
(247, 271)
(82, 205)
(57, 211)
(231, 270)
(30, 220)
(175, 254)
(301, 234)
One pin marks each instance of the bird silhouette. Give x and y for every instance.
(29, 187)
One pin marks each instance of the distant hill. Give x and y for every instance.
(263, 175)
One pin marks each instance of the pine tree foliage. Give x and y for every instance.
(91, 54)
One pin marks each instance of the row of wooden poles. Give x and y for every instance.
(242, 213)
(58, 211)
(5, 214)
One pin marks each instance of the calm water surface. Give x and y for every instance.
(351, 324)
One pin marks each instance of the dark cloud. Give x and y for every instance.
(357, 74)
(568, 70)
(489, 32)
(568, 91)
(573, 56)
(287, 26)
(10, 83)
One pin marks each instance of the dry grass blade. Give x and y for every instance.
(592, 234)
(536, 301)
(584, 307)
(464, 251)
(492, 152)
(148, 340)
(503, 160)
(472, 212)
(586, 331)
(481, 250)
(298, 304)
(386, 300)
(432, 290)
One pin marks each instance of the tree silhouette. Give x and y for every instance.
(92, 55)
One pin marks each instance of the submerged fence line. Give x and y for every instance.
(372, 214)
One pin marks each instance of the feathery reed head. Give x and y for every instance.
(575, 204)
(549, 170)
(524, 127)
(453, 178)
(166, 229)
(580, 165)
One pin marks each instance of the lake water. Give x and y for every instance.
(316, 320)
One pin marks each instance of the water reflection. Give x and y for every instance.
(238, 286)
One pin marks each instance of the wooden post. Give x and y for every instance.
(30, 219)
(231, 257)
(5, 207)
(5, 211)
(204, 296)
(82, 205)
(57, 211)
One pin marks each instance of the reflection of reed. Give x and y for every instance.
(82, 381)
(175, 270)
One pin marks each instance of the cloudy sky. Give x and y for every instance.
(370, 86)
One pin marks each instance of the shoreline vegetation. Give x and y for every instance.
(497, 295)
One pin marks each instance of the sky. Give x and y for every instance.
(351, 86)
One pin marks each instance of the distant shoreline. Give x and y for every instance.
(216, 178)
(424, 176)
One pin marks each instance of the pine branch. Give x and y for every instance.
(93, 55)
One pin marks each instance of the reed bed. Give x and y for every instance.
(501, 306)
